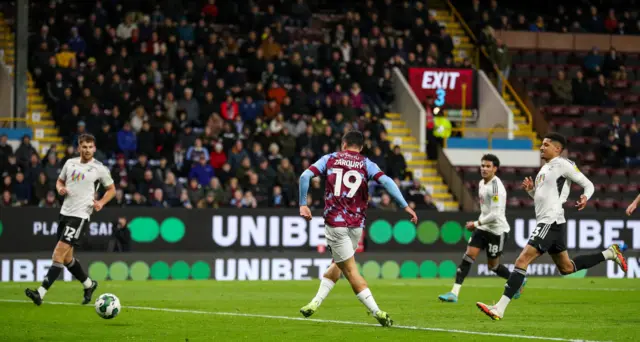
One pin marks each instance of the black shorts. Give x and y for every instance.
(488, 241)
(72, 229)
(549, 238)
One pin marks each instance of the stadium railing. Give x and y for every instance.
(483, 58)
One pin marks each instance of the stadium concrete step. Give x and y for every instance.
(389, 124)
(399, 131)
(38, 116)
(421, 163)
(45, 131)
(417, 163)
(411, 156)
(47, 124)
(463, 47)
(50, 139)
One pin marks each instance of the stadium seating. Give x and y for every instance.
(595, 109)
(209, 50)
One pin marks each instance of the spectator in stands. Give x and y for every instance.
(630, 148)
(5, 151)
(24, 152)
(8, 200)
(157, 200)
(127, 141)
(49, 200)
(22, 190)
(386, 203)
(202, 171)
(426, 203)
(580, 90)
(599, 92)
(612, 63)
(127, 89)
(499, 54)
(562, 90)
(593, 62)
(610, 151)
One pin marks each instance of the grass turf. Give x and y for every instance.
(566, 309)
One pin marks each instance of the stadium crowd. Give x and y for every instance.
(611, 17)
(219, 104)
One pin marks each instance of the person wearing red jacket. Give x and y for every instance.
(229, 109)
(217, 157)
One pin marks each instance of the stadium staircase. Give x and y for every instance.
(39, 118)
(464, 48)
(417, 162)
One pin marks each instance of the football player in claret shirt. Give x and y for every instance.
(346, 198)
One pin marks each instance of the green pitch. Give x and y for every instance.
(555, 309)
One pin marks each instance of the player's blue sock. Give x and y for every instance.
(515, 281)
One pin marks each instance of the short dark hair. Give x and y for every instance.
(86, 138)
(557, 137)
(492, 158)
(353, 139)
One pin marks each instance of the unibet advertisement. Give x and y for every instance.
(447, 87)
(281, 266)
(25, 230)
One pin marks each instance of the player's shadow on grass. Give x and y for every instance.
(118, 324)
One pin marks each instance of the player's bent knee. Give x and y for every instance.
(564, 270)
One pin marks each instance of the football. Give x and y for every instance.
(107, 306)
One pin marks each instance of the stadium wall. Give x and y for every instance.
(494, 112)
(511, 158)
(408, 105)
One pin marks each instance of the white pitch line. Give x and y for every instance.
(288, 318)
(606, 289)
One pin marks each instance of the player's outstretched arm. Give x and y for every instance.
(305, 178)
(632, 207)
(572, 172)
(396, 194)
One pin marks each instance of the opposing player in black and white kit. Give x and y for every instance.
(77, 183)
(549, 193)
(491, 229)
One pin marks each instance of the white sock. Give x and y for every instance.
(42, 291)
(502, 304)
(87, 283)
(608, 254)
(366, 298)
(456, 289)
(325, 287)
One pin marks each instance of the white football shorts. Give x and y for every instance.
(342, 241)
